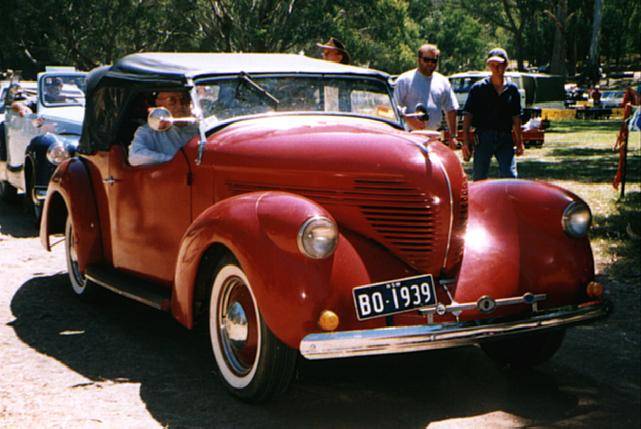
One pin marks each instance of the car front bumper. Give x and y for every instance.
(404, 339)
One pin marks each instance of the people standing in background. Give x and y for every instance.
(493, 107)
(596, 96)
(424, 85)
(334, 51)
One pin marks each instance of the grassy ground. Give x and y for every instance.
(577, 155)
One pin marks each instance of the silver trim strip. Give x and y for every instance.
(526, 298)
(126, 294)
(449, 190)
(404, 339)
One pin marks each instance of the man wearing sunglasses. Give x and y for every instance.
(424, 85)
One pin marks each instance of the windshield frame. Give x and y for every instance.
(214, 125)
(42, 90)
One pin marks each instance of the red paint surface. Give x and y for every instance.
(261, 179)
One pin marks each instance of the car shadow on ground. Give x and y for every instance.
(116, 340)
(16, 220)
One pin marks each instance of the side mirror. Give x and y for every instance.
(160, 119)
(420, 113)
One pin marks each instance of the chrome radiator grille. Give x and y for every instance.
(405, 221)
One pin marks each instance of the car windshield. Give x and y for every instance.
(63, 90)
(244, 95)
(613, 94)
(463, 84)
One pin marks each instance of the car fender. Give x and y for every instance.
(260, 229)
(70, 194)
(36, 153)
(515, 244)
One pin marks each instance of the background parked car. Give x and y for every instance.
(612, 98)
(36, 142)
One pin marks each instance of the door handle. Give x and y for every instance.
(110, 180)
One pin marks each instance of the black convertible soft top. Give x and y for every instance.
(109, 87)
(173, 69)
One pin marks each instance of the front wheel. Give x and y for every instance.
(253, 364)
(80, 285)
(33, 203)
(527, 350)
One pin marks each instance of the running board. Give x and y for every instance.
(129, 286)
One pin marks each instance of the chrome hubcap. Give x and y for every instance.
(73, 260)
(237, 325)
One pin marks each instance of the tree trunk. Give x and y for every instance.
(595, 75)
(559, 51)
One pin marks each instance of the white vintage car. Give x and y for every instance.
(37, 139)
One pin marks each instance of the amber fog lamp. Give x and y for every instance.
(595, 289)
(576, 219)
(328, 320)
(317, 237)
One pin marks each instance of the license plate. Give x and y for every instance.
(394, 296)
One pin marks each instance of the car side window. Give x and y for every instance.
(101, 119)
(134, 115)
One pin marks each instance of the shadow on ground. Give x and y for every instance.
(16, 220)
(117, 340)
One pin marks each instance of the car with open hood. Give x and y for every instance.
(302, 219)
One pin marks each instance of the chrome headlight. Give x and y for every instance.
(577, 219)
(317, 237)
(58, 151)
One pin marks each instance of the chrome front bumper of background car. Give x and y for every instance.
(404, 339)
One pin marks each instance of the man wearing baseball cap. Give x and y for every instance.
(493, 108)
(334, 50)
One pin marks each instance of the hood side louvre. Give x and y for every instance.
(402, 217)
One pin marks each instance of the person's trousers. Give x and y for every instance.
(490, 143)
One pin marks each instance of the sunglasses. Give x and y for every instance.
(429, 60)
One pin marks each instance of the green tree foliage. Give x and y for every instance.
(378, 33)
(383, 34)
(461, 38)
(89, 33)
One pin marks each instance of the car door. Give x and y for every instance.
(149, 210)
(20, 130)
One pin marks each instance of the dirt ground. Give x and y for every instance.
(67, 363)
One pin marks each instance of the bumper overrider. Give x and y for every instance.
(404, 339)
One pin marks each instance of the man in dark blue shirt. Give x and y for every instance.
(493, 108)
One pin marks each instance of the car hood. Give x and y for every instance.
(378, 181)
(74, 115)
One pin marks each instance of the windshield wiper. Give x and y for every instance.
(244, 77)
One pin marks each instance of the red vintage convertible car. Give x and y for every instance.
(302, 219)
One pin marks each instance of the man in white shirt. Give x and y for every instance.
(431, 89)
(150, 146)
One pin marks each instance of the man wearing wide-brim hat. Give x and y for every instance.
(493, 108)
(334, 50)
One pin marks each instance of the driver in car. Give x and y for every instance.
(53, 91)
(150, 146)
